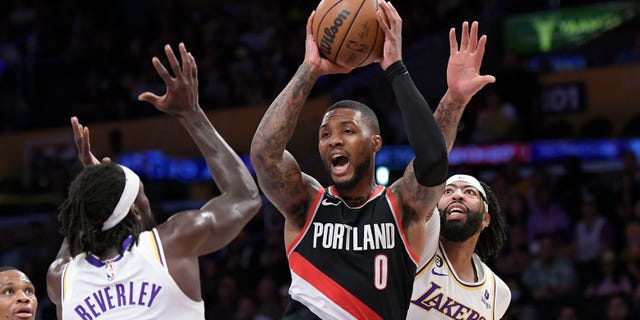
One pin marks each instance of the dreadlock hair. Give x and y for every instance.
(368, 114)
(493, 237)
(93, 195)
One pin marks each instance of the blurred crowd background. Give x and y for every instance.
(573, 224)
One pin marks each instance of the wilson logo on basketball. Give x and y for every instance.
(330, 32)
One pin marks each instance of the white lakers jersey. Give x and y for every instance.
(135, 285)
(438, 292)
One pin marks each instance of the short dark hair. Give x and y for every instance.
(493, 237)
(93, 195)
(7, 268)
(368, 114)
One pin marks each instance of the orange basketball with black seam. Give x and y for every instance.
(347, 32)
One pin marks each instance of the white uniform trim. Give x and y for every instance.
(317, 302)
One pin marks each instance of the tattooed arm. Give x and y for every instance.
(279, 174)
(463, 79)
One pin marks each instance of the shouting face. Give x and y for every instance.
(347, 145)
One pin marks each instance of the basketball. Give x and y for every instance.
(347, 32)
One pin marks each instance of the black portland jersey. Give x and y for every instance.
(351, 263)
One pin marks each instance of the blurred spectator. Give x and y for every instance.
(521, 307)
(516, 210)
(592, 237)
(630, 165)
(568, 312)
(496, 121)
(632, 235)
(269, 306)
(547, 215)
(515, 255)
(224, 305)
(631, 252)
(246, 309)
(610, 279)
(572, 183)
(550, 276)
(619, 308)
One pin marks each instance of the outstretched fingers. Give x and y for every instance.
(83, 144)
(480, 51)
(173, 61)
(77, 129)
(453, 42)
(162, 71)
(80, 136)
(464, 38)
(194, 67)
(473, 37)
(186, 61)
(166, 77)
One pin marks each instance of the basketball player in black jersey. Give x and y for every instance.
(351, 246)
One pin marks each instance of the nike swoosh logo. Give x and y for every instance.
(329, 203)
(434, 272)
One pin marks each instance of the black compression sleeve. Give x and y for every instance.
(426, 140)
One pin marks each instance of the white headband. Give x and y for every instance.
(129, 194)
(472, 182)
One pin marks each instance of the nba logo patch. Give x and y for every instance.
(111, 273)
(485, 299)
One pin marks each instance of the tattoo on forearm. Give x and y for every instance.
(279, 120)
(415, 193)
(448, 117)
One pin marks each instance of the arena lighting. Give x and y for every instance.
(382, 175)
(537, 152)
(155, 165)
(555, 29)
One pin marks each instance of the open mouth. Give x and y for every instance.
(456, 211)
(339, 164)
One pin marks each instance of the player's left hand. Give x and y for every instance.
(182, 90)
(463, 70)
(312, 57)
(391, 24)
(83, 144)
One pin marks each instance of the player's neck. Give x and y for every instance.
(358, 195)
(460, 255)
(109, 254)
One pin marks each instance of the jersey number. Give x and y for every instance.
(380, 271)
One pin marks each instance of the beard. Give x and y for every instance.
(360, 170)
(456, 230)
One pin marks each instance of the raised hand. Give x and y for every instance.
(463, 70)
(83, 144)
(314, 59)
(391, 23)
(182, 90)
